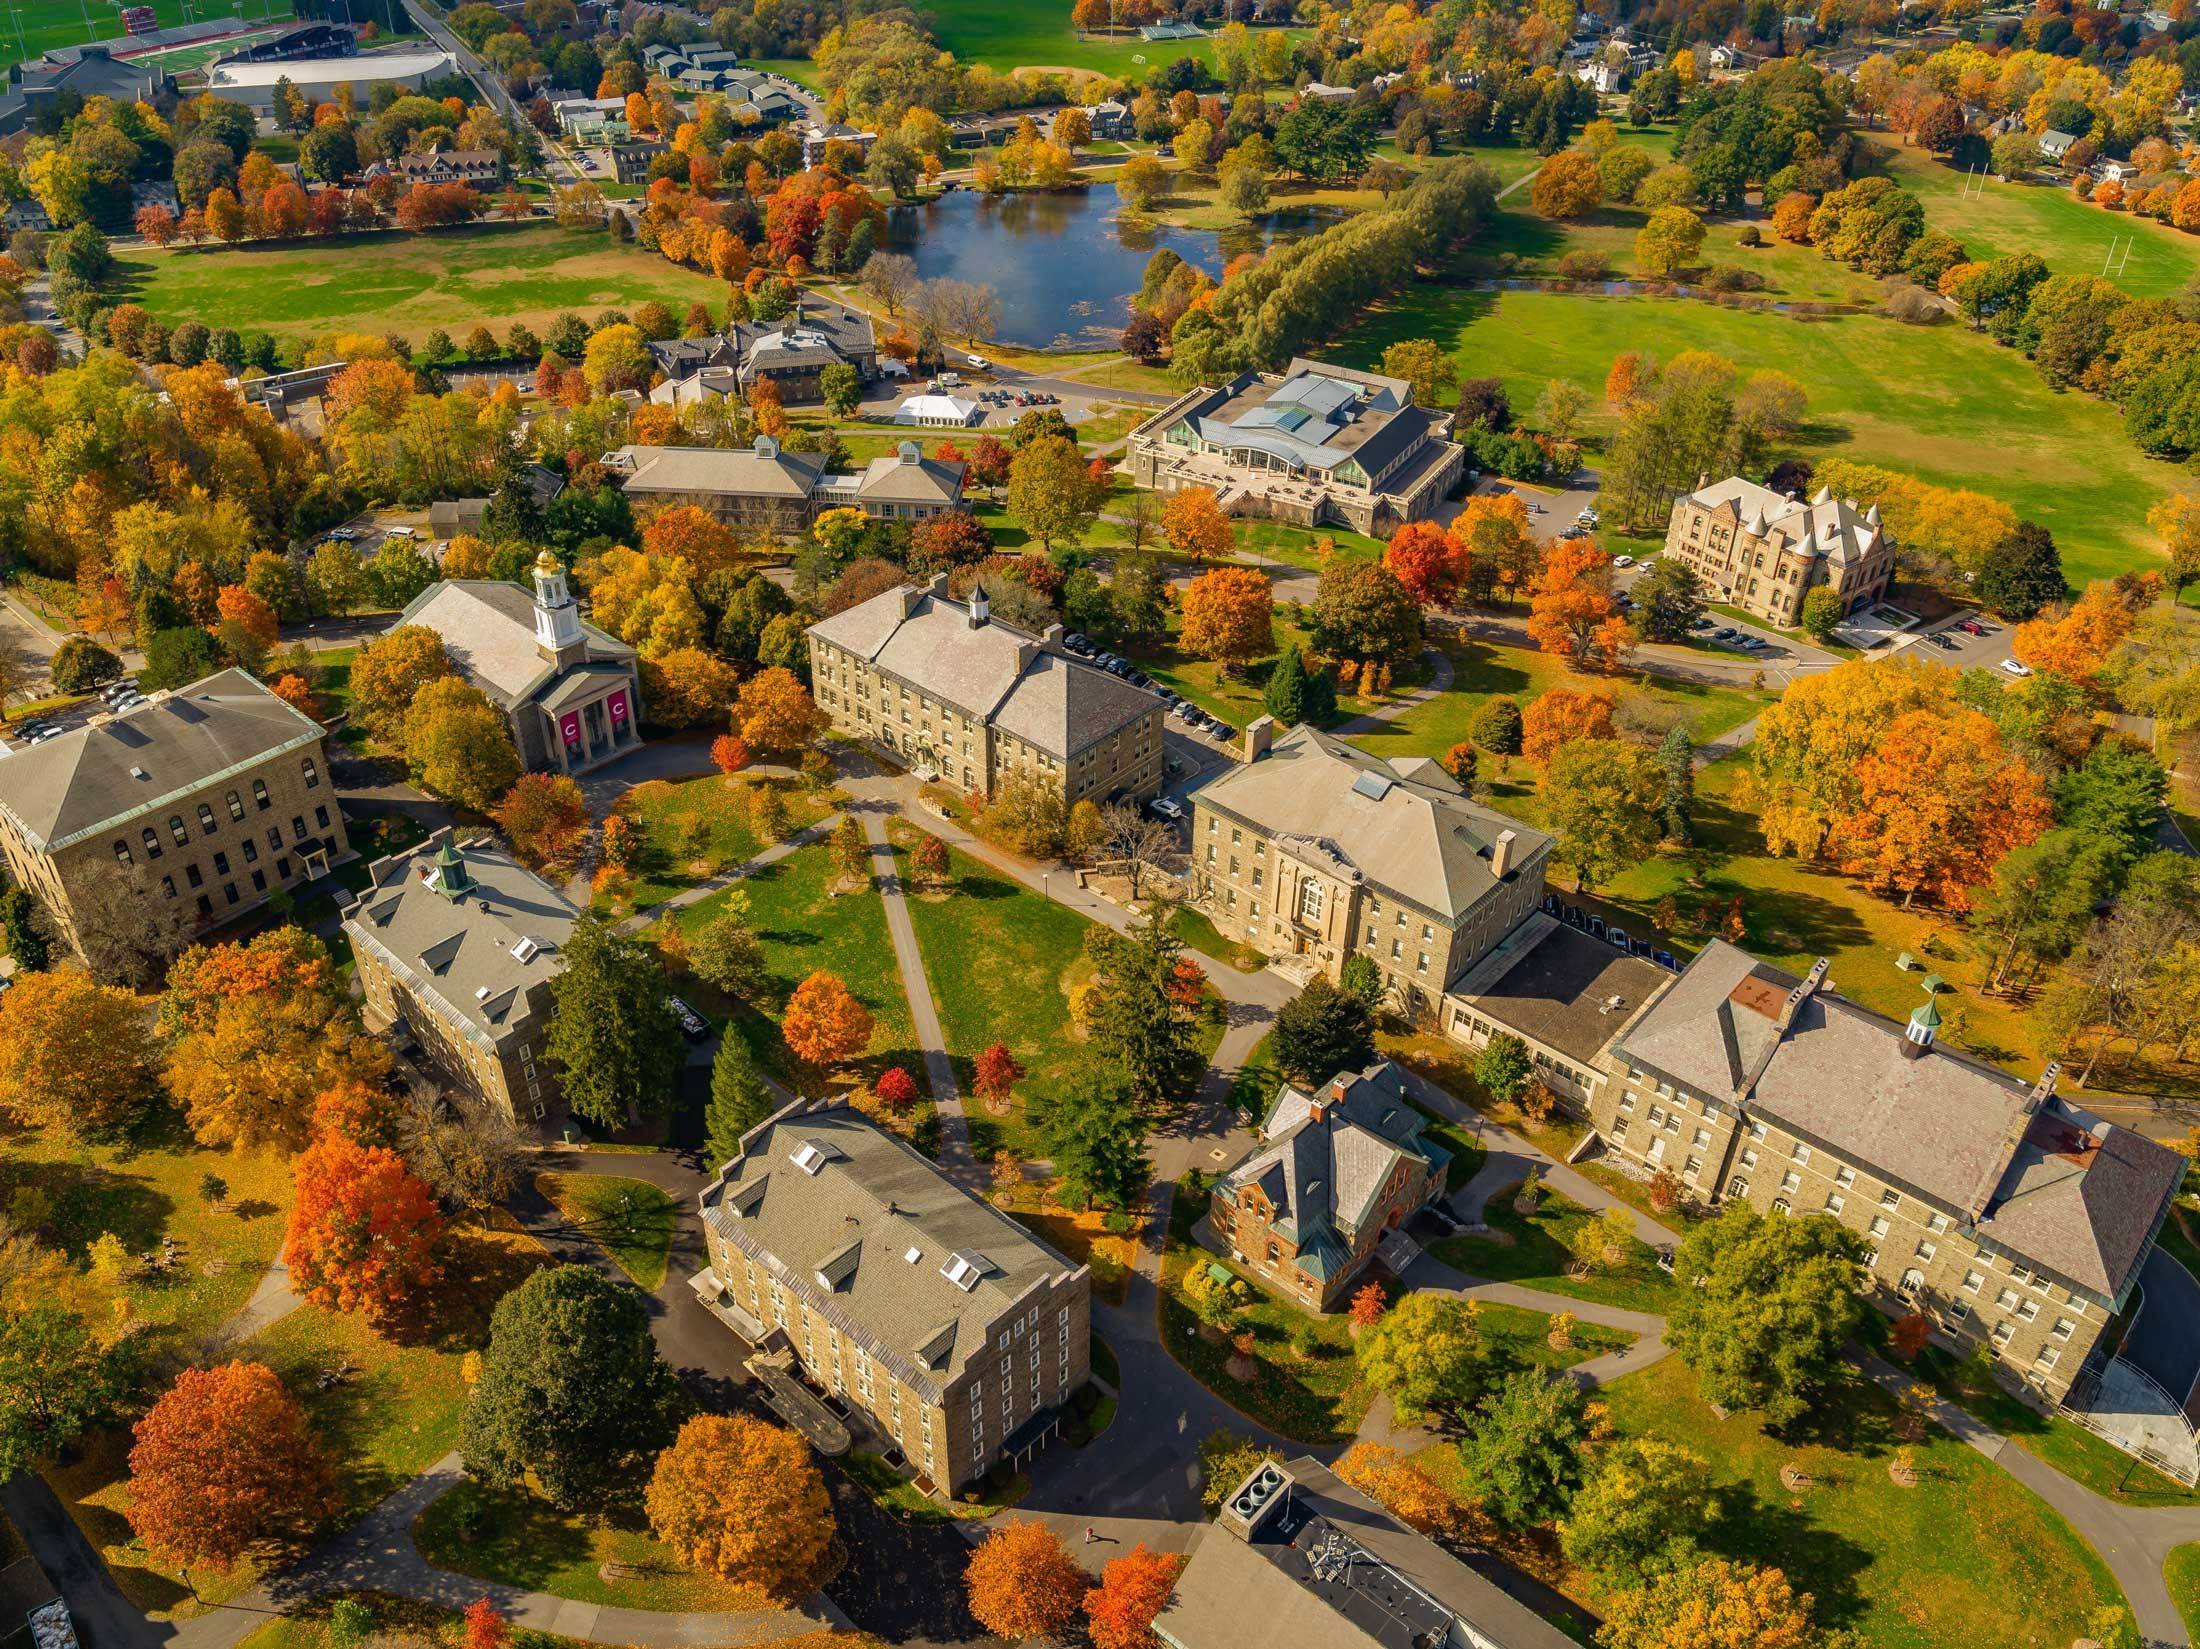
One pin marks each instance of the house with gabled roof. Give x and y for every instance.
(1337, 1170)
(934, 1318)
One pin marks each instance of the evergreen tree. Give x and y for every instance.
(1095, 1130)
(1319, 704)
(1285, 697)
(739, 1098)
(1324, 1030)
(1677, 761)
(614, 1039)
(2022, 574)
(513, 516)
(1497, 727)
(1362, 978)
(26, 942)
(1135, 1022)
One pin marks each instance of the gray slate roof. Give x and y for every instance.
(488, 628)
(864, 1240)
(464, 952)
(93, 778)
(1323, 1175)
(1407, 830)
(2075, 1195)
(988, 670)
(765, 470)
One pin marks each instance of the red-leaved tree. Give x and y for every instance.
(224, 1464)
(729, 754)
(363, 1231)
(998, 1073)
(897, 1087)
(485, 1627)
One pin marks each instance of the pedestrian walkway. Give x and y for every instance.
(695, 895)
(1440, 678)
(955, 1158)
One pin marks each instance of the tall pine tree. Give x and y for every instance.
(1285, 698)
(1135, 1023)
(615, 1041)
(739, 1098)
(1677, 760)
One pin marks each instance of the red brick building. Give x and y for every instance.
(1336, 1170)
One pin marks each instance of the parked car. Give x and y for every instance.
(343, 535)
(1617, 938)
(1621, 561)
(980, 362)
(692, 1024)
(2014, 668)
(1163, 808)
(1942, 642)
(402, 532)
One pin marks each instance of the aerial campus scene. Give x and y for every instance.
(1142, 822)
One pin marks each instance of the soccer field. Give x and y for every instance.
(29, 27)
(1017, 34)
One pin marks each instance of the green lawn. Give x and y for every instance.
(2071, 1449)
(1001, 959)
(1940, 402)
(1484, 670)
(699, 828)
(2181, 1573)
(905, 1500)
(1793, 913)
(1236, 698)
(805, 927)
(2072, 236)
(513, 1537)
(1537, 1256)
(412, 283)
(1200, 934)
(1318, 1396)
(1966, 1558)
(396, 1620)
(1298, 546)
(1467, 1153)
(1015, 34)
(629, 1218)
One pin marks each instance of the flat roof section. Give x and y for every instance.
(1558, 986)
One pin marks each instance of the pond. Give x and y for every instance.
(1065, 263)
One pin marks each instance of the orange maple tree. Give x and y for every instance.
(225, 1463)
(696, 536)
(1368, 1305)
(774, 713)
(1229, 617)
(1194, 524)
(363, 1112)
(545, 816)
(237, 604)
(363, 1230)
(2076, 643)
(1023, 1583)
(824, 1023)
(486, 1627)
(1560, 715)
(1133, 1589)
(1940, 800)
(742, 1499)
(1571, 613)
(728, 754)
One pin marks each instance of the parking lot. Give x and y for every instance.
(1983, 645)
(1193, 743)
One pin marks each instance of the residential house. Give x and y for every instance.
(1336, 1171)
(456, 944)
(1765, 551)
(478, 168)
(961, 697)
(1313, 445)
(141, 830)
(2054, 145)
(1319, 851)
(946, 1326)
(87, 71)
(569, 693)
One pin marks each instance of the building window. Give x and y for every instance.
(1779, 1205)
(259, 881)
(191, 875)
(168, 886)
(2063, 1328)
(1937, 1223)
(206, 819)
(1879, 1225)
(177, 830)
(122, 853)
(221, 864)
(1310, 901)
(251, 851)
(320, 817)
(152, 843)
(312, 773)
(236, 805)
(1972, 1282)
(275, 839)
(229, 891)
(2049, 1356)
(2006, 1299)
(297, 827)
(1834, 1205)
(1926, 1250)
(1737, 1187)
(1890, 1199)
(206, 905)
(1844, 1176)
(260, 796)
(1801, 1153)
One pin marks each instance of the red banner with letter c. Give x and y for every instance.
(616, 704)
(569, 727)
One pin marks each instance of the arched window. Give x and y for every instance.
(151, 841)
(122, 852)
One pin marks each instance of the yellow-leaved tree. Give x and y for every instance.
(741, 1498)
